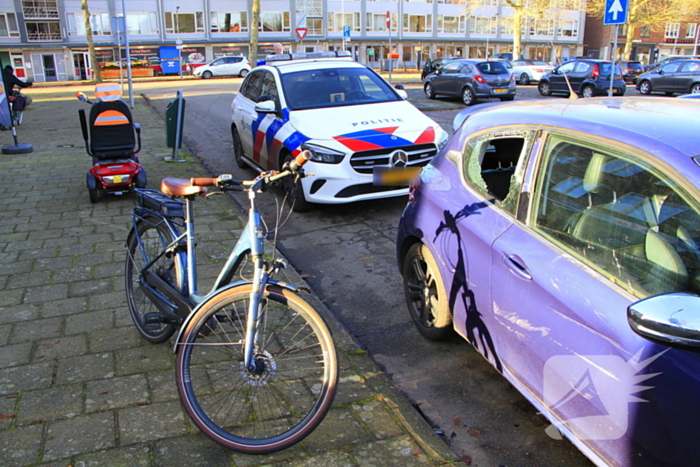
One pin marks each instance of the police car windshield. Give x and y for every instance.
(312, 89)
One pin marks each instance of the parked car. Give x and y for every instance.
(680, 76)
(587, 77)
(355, 124)
(471, 80)
(224, 66)
(433, 65)
(671, 58)
(561, 238)
(527, 71)
(631, 70)
(507, 56)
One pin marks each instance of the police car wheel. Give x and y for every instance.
(294, 192)
(238, 148)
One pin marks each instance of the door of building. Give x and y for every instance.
(81, 66)
(49, 64)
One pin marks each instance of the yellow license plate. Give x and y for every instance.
(117, 179)
(500, 91)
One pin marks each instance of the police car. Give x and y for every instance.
(352, 121)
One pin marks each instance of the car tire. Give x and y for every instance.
(544, 88)
(695, 88)
(645, 87)
(237, 148)
(468, 96)
(294, 192)
(207, 75)
(429, 93)
(243, 73)
(588, 91)
(426, 295)
(524, 79)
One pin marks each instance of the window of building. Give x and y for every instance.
(336, 21)
(691, 30)
(451, 24)
(100, 23)
(184, 22)
(40, 9)
(235, 21)
(276, 21)
(8, 25)
(141, 23)
(672, 30)
(417, 23)
(568, 29)
(453, 2)
(376, 22)
(418, 1)
(483, 24)
(314, 26)
(542, 27)
(505, 26)
(43, 31)
(645, 31)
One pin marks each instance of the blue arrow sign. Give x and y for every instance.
(615, 12)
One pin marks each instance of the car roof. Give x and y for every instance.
(312, 64)
(651, 123)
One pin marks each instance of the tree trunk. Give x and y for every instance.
(254, 22)
(517, 32)
(627, 54)
(97, 76)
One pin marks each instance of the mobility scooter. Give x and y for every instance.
(113, 140)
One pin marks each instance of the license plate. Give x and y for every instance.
(117, 178)
(500, 91)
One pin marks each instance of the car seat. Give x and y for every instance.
(112, 131)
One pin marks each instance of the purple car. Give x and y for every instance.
(562, 239)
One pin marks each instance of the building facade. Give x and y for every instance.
(45, 40)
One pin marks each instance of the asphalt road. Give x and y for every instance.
(347, 255)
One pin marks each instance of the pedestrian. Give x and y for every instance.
(276, 49)
(8, 76)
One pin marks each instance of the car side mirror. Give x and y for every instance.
(555, 71)
(659, 71)
(266, 107)
(671, 319)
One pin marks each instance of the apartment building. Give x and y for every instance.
(45, 40)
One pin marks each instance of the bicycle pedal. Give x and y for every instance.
(153, 320)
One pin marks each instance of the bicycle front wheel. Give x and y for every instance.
(274, 407)
(153, 235)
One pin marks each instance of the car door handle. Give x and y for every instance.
(515, 264)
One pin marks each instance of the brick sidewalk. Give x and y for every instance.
(78, 386)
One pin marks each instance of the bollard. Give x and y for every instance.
(174, 122)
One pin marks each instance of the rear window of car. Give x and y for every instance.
(492, 68)
(634, 66)
(335, 87)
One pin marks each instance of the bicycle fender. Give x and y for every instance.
(208, 300)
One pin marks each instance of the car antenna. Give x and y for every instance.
(572, 94)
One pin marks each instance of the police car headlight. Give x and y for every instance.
(442, 139)
(324, 155)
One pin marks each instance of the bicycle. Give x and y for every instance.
(256, 365)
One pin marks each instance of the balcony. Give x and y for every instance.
(44, 31)
(40, 9)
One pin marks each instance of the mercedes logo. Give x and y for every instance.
(398, 158)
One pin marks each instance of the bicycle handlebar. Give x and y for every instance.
(226, 180)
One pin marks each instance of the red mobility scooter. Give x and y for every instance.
(113, 140)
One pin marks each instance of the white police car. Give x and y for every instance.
(353, 122)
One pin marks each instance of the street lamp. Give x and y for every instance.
(178, 42)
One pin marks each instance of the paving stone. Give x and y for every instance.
(107, 301)
(13, 355)
(85, 368)
(39, 329)
(143, 359)
(19, 313)
(46, 293)
(8, 411)
(76, 249)
(378, 420)
(114, 339)
(47, 252)
(163, 385)
(72, 275)
(336, 459)
(80, 434)
(90, 287)
(189, 450)
(151, 422)
(399, 452)
(87, 322)
(31, 279)
(50, 404)
(352, 387)
(5, 334)
(64, 347)
(130, 456)
(22, 446)
(340, 430)
(18, 267)
(68, 306)
(276, 458)
(51, 264)
(13, 297)
(116, 393)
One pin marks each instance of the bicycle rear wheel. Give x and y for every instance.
(275, 407)
(154, 235)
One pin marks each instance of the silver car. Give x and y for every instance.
(528, 71)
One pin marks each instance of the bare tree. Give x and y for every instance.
(91, 45)
(254, 23)
(653, 14)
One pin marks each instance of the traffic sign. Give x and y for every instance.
(346, 32)
(615, 12)
(301, 33)
(388, 20)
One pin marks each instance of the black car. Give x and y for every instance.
(434, 64)
(472, 79)
(587, 77)
(682, 76)
(631, 70)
